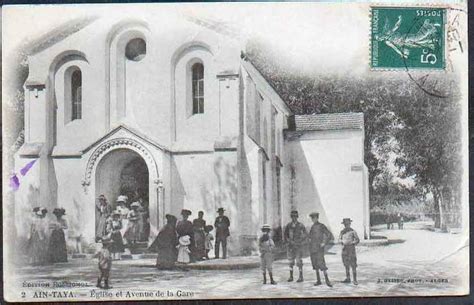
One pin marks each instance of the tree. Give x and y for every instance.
(422, 130)
(431, 149)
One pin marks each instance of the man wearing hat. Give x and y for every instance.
(222, 225)
(319, 236)
(295, 237)
(349, 240)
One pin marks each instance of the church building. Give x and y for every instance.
(172, 113)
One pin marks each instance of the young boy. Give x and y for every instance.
(105, 262)
(208, 238)
(266, 245)
(349, 240)
(319, 236)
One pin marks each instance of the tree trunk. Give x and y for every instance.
(436, 214)
(442, 212)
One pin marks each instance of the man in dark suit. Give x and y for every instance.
(295, 237)
(319, 236)
(222, 225)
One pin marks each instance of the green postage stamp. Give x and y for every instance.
(408, 37)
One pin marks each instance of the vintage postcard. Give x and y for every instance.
(235, 150)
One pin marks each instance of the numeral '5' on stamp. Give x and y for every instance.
(408, 38)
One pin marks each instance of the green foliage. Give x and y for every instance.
(406, 128)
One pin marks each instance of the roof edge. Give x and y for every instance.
(265, 85)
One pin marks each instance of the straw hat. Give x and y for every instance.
(185, 240)
(122, 198)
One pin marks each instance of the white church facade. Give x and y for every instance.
(179, 111)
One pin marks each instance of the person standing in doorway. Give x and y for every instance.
(295, 236)
(114, 225)
(319, 236)
(123, 210)
(349, 240)
(104, 209)
(222, 225)
(133, 229)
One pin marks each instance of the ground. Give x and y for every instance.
(439, 260)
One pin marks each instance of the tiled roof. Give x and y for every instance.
(329, 121)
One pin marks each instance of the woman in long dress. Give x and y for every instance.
(104, 209)
(57, 242)
(185, 227)
(123, 210)
(38, 238)
(199, 236)
(143, 222)
(165, 244)
(133, 229)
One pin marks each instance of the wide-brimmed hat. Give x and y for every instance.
(314, 214)
(122, 198)
(185, 240)
(294, 213)
(102, 196)
(346, 220)
(116, 213)
(135, 204)
(170, 217)
(36, 209)
(59, 211)
(41, 211)
(266, 227)
(208, 228)
(186, 212)
(220, 210)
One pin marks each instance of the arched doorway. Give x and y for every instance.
(124, 172)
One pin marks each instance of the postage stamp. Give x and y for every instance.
(403, 37)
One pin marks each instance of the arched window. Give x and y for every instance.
(76, 95)
(197, 71)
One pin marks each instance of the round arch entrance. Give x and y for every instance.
(124, 172)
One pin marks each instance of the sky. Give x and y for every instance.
(310, 35)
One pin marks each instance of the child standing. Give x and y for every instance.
(349, 240)
(208, 238)
(105, 262)
(183, 249)
(266, 246)
(114, 225)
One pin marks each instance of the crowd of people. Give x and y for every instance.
(46, 238)
(183, 241)
(296, 237)
(125, 225)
